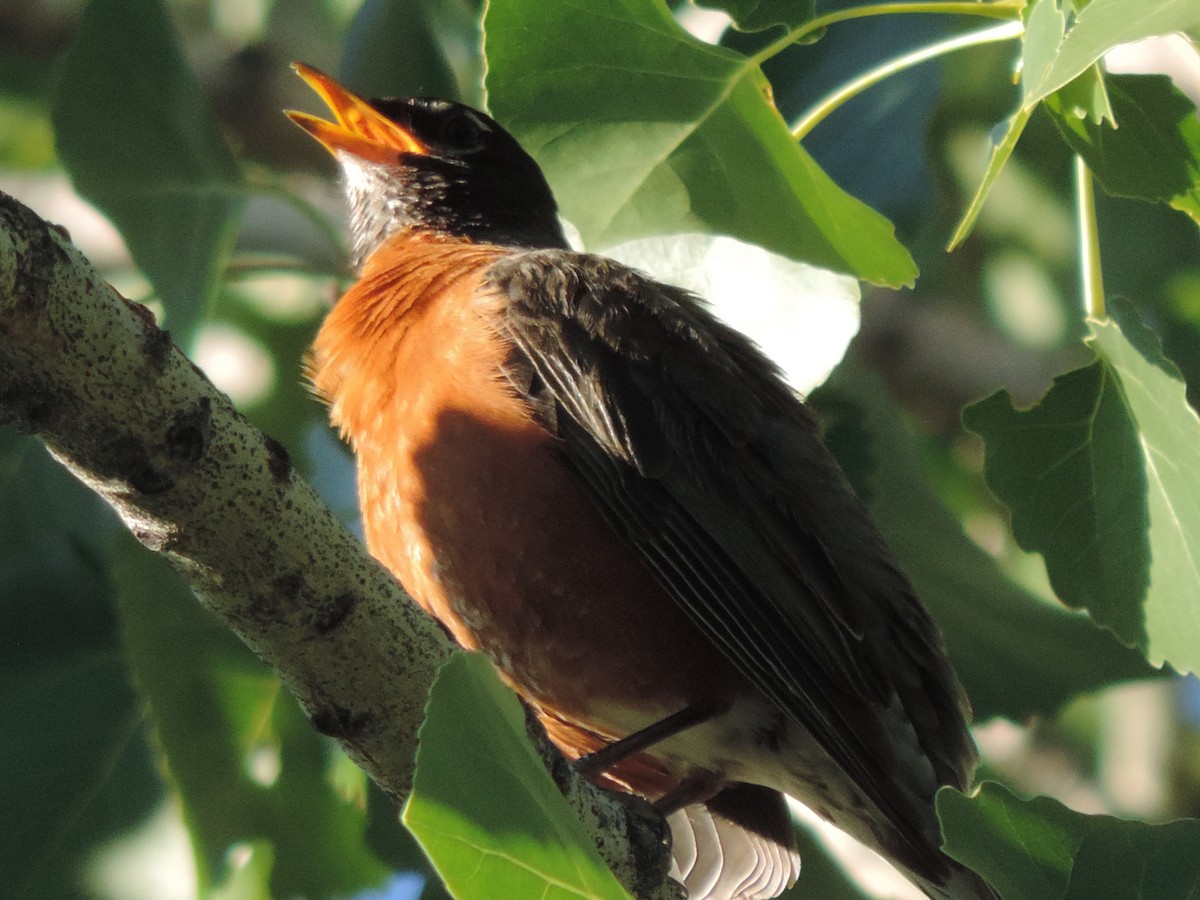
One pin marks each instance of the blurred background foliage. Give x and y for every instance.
(147, 754)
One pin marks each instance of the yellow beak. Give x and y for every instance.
(359, 129)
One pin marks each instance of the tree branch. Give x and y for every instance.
(90, 374)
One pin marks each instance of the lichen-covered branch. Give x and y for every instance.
(92, 376)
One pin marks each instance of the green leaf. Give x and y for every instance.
(1101, 479)
(484, 807)
(1045, 26)
(395, 845)
(1168, 440)
(644, 130)
(250, 880)
(1001, 151)
(1025, 848)
(1041, 850)
(218, 712)
(80, 773)
(26, 138)
(1069, 470)
(1086, 97)
(430, 48)
(78, 770)
(1054, 55)
(135, 135)
(1121, 859)
(1154, 154)
(1015, 654)
(200, 685)
(756, 15)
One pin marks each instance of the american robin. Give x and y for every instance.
(586, 475)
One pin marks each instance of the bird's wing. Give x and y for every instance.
(687, 439)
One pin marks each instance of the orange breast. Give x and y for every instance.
(465, 500)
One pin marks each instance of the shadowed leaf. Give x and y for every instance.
(1100, 477)
(1015, 654)
(1152, 154)
(1040, 850)
(134, 132)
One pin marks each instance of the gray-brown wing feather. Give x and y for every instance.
(696, 451)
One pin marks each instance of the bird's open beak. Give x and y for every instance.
(359, 129)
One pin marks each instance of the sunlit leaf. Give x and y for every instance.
(1054, 55)
(484, 807)
(644, 130)
(890, 122)
(1045, 26)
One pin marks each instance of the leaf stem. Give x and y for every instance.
(1091, 278)
(1002, 9)
(819, 111)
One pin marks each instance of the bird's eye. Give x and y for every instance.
(463, 132)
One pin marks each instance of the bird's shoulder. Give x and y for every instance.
(652, 355)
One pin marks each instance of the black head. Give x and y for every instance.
(431, 164)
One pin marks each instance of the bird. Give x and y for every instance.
(584, 474)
